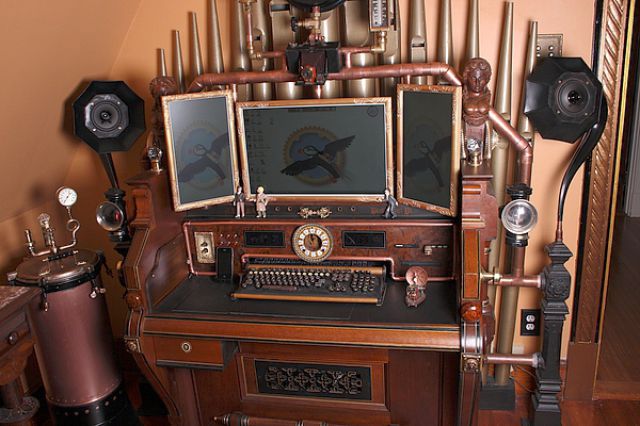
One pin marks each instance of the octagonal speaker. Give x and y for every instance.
(562, 98)
(324, 4)
(109, 116)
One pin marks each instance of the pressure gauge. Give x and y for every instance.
(67, 196)
(312, 243)
(379, 15)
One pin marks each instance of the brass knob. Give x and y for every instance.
(13, 338)
(186, 347)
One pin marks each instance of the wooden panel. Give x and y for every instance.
(405, 243)
(189, 352)
(471, 281)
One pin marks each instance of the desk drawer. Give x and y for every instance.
(193, 353)
(12, 331)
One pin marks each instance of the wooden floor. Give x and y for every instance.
(618, 371)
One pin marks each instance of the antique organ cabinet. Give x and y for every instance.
(361, 297)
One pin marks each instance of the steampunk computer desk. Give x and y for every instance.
(358, 295)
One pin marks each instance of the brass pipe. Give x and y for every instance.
(330, 30)
(524, 125)
(445, 35)
(216, 60)
(473, 32)
(178, 66)
(162, 64)
(418, 36)
(355, 32)
(508, 313)
(281, 13)
(261, 30)
(240, 57)
(534, 360)
(509, 301)
(500, 155)
(197, 67)
(393, 50)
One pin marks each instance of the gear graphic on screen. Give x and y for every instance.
(316, 156)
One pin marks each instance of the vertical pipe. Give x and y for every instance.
(197, 67)
(281, 13)
(240, 56)
(473, 32)
(418, 36)
(262, 42)
(500, 155)
(162, 64)
(445, 35)
(330, 30)
(524, 125)
(355, 32)
(178, 66)
(509, 296)
(392, 54)
(215, 58)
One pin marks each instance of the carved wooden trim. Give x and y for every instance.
(599, 210)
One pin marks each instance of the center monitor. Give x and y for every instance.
(338, 149)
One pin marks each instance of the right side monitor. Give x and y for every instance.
(428, 150)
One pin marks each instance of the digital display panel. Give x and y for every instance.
(264, 239)
(364, 239)
(338, 147)
(428, 147)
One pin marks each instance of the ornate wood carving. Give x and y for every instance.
(599, 210)
(329, 381)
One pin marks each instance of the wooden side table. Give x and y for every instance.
(16, 345)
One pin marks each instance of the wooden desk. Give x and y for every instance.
(16, 345)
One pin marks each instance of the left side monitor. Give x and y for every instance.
(201, 148)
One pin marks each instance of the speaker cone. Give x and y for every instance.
(109, 116)
(562, 98)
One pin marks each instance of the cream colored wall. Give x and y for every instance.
(129, 53)
(49, 50)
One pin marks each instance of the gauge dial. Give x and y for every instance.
(378, 15)
(312, 243)
(67, 196)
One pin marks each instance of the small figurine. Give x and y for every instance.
(416, 291)
(238, 202)
(392, 205)
(261, 202)
(476, 103)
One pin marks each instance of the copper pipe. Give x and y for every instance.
(381, 71)
(248, 26)
(534, 360)
(522, 281)
(525, 152)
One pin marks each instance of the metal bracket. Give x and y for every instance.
(549, 45)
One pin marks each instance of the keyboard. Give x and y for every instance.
(313, 283)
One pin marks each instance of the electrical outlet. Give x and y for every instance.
(549, 45)
(530, 322)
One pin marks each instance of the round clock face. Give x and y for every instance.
(312, 243)
(67, 196)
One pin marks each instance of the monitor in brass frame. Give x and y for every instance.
(201, 148)
(428, 150)
(317, 150)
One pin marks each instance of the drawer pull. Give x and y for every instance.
(13, 338)
(186, 347)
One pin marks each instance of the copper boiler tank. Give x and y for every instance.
(74, 344)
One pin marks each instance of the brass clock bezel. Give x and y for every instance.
(305, 255)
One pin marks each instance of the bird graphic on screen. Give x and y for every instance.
(430, 159)
(208, 159)
(317, 158)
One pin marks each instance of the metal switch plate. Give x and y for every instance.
(204, 247)
(549, 45)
